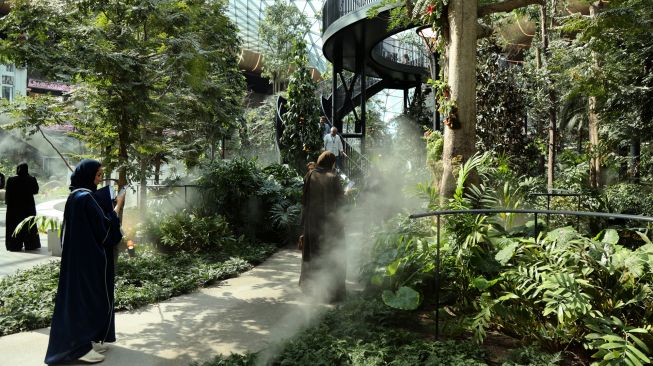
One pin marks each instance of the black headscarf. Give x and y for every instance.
(84, 175)
(22, 170)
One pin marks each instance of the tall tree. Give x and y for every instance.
(609, 62)
(457, 21)
(282, 25)
(146, 70)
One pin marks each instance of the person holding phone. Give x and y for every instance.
(83, 318)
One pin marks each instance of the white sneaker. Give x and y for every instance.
(99, 347)
(92, 357)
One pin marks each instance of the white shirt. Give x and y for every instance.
(333, 144)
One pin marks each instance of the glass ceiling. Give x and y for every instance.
(247, 14)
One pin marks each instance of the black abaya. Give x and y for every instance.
(19, 196)
(83, 309)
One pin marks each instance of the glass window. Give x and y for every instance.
(7, 80)
(8, 93)
(9, 68)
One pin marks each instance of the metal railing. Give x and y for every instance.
(356, 165)
(486, 212)
(550, 194)
(326, 89)
(156, 189)
(395, 50)
(333, 10)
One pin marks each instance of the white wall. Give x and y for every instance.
(13, 82)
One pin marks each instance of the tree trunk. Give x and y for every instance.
(635, 158)
(552, 101)
(157, 168)
(579, 139)
(593, 117)
(623, 164)
(123, 159)
(459, 141)
(108, 168)
(595, 159)
(550, 176)
(538, 124)
(142, 197)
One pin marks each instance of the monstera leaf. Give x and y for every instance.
(405, 298)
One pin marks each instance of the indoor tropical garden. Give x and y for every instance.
(336, 182)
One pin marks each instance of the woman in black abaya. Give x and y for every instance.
(19, 196)
(83, 312)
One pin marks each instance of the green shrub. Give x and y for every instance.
(27, 298)
(250, 197)
(629, 198)
(190, 232)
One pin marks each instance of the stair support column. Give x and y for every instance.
(336, 120)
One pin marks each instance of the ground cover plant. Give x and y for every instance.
(27, 298)
(190, 248)
(363, 331)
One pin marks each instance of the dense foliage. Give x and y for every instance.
(502, 123)
(154, 79)
(282, 25)
(301, 141)
(191, 232)
(557, 289)
(248, 197)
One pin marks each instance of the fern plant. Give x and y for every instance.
(43, 224)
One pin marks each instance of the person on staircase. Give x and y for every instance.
(325, 126)
(333, 143)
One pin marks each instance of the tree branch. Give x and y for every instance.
(506, 6)
(55, 148)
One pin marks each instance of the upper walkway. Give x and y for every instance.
(348, 30)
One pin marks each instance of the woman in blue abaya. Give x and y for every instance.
(83, 312)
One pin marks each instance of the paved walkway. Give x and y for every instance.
(10, 262)
(252, 312)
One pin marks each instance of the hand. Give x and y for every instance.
(120, 201)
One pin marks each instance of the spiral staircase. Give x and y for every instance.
(366, 59)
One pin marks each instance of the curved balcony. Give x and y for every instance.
(346, 26)
(393, 52)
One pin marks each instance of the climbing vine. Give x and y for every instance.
(446, 106)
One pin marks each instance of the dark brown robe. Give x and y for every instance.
(323, 262)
